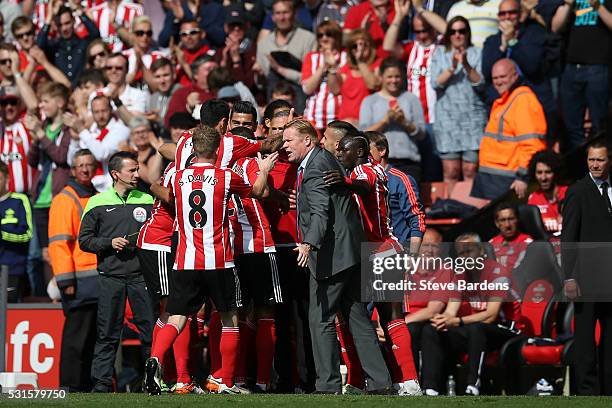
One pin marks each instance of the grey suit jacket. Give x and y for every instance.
(328, 218)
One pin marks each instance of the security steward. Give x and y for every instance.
(110, 226)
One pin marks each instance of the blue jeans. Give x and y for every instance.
(583, 86)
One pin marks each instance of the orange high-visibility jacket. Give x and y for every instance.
(71, 266)
(515, 132)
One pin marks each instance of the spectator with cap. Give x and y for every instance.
(67, 51)
(192, 44)
(240, 52)
(209, 15)
(333, 10)
(289, 38)
(525, 43)
(186, 99)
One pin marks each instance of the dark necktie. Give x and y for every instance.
(298, 188)
(604, 192)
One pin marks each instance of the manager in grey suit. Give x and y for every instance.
(331, 236)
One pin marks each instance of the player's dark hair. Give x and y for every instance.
(275, 105)
(214, 111)
(245, 107)
(244, 132)
(344, 128)
(182, 120)
(506, 205)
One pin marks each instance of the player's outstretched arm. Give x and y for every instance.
(168, 150)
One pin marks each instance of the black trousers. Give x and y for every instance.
(111, 310)
(592, 365)
(440, 349)
(78, 341)
(416, 333)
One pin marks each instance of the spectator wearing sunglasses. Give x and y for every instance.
(482, 16)
(192, 44)
(23, 31)
(525, 44)
(143, 53)
(460, 112)
(67, 51)
(6, 72)
(209, 15)
(97, 53)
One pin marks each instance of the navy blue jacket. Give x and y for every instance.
(529, 54)
(406, 209)
(70, 56)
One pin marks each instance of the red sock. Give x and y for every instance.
(230, 348)
(164, 340)
(247, 337)
(354, 375)
(181, 354)
(402, 349)
(266, 343)
(214, 340)
(158, 326)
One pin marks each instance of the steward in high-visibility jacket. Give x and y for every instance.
(515, 132)
(71, 266)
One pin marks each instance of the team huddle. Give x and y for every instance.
(227, 245)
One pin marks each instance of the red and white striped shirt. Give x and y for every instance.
(418, 72)
(201, 194)
(250, 230)
(147, 59)
(14, 148)
(156, 233)
(126, 13)
(373, 208)
(321, 107)
(231, 148)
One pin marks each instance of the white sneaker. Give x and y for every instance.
(349, 389)
(472, 390)
(430, 392)
(410, 388)
(224, 389)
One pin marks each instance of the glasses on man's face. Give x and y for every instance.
(460, 31)
(114, 68)
(93, 57)
(322, 34)
(6, 61)
(9, 101)
(507, 13)
(24, 35)
(190, 32)
(140, 33)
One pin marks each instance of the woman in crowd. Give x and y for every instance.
(359, 77)
(97, 54)
(460, 112)
(320, 75)
(399, 115)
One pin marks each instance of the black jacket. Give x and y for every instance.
(109, 216)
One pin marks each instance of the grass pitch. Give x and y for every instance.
(299, 401)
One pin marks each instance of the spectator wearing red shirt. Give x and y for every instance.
(549, 196)
(375, 16)
(191, 46)
(490, 321)
(359, 77)
(511, 243)
(185, 99)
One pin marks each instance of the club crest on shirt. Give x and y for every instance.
(140, 214)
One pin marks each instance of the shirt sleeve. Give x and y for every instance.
(307, 67)
(243, 147)
(364, 174)
(238, 186)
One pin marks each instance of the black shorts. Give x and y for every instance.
(293, 278)
(156, 267)
(259, 278)
(189, 289)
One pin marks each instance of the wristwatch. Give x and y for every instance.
(512, 42)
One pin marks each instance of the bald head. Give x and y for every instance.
(504, 75)
(509, 10)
